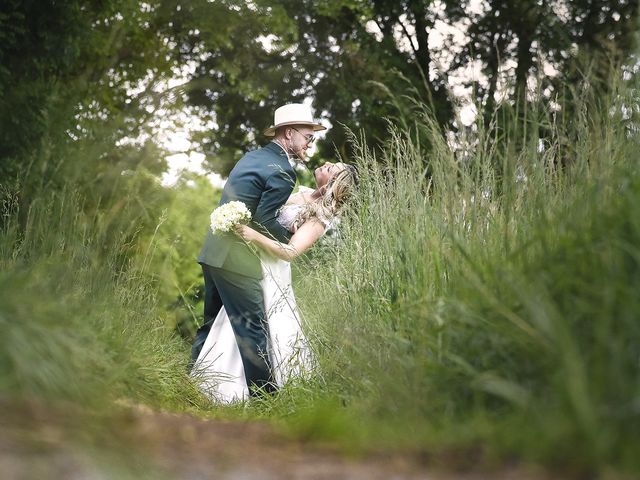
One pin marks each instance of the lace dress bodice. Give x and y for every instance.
(289, 212)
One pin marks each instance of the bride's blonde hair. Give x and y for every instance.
(338, 191)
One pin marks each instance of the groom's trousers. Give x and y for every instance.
(243, 300)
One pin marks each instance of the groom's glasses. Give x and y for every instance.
(309, 138)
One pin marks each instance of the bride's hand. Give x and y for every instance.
(244, 232)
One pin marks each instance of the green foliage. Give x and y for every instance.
(81, 201)
(484, 294)
(176, 244)
(465, 308)
(77, 323)
(356, 59)
(67, 66)
(237, 80)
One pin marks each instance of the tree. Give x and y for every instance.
(358, 59)
(361, 54)
(254, 57)
(571, 37)
(66, 69)
(68, 116)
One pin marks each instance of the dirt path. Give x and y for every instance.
(37, 443)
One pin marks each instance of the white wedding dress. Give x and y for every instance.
(219, 370)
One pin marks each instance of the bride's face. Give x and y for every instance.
(324, 173)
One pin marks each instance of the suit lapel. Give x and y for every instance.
(284, 160)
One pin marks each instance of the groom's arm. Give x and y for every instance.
(278, 187)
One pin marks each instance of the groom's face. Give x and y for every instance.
(300, 139)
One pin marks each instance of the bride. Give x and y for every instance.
(308, 214)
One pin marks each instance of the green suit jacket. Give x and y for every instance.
(263, 179)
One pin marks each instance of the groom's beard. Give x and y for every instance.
(298, 155)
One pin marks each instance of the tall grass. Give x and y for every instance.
(488, 300)
(78, 313)
(483, 300)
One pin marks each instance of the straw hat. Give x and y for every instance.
(293, 114)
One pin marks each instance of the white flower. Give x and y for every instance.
(226, 216)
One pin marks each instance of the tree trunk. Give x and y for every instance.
(441, 104)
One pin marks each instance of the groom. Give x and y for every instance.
(263, 179)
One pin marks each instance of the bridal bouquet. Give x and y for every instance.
(227, 216)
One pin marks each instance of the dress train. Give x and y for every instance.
(219, 370)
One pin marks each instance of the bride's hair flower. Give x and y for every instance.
(227, 216)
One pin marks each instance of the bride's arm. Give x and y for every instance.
(305, 236)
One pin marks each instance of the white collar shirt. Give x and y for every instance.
(289, 158)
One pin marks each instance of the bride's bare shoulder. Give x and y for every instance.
(303, 195)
